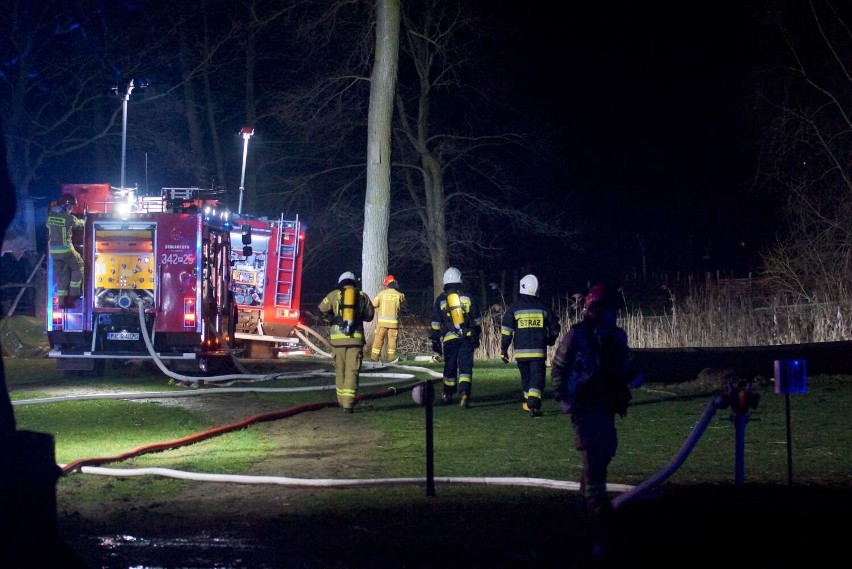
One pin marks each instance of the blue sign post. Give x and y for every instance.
(791, 376)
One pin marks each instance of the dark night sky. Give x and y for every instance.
(652, 97)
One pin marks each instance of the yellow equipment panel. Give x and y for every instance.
(129, 271)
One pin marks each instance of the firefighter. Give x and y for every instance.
(346, 308)
(591, 374)
(532, 326)
(456, 329)
(67, 263)
(387, 303)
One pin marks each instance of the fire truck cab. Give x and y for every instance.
(161, 280)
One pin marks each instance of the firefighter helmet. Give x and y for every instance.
(529, 285)
(67, 201)
(347, 276)
(452, 276)
(598, 299)
(388, 280)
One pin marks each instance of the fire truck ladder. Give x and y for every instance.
(288, 251)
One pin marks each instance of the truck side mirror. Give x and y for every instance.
(247, 235)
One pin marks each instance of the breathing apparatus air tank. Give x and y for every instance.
(348, 312)
(456, 314)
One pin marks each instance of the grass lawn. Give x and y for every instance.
(493, 438)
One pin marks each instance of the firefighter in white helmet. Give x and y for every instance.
(455, 333)
(346, 308)
(532, 327)
(387, 303)
(67, 263)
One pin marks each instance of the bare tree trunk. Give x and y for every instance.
(250, 197)
(218, 161)
(436, 220)
(190, 103)
(7, 195)
(374, 255)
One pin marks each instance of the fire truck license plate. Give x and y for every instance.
(122, 335)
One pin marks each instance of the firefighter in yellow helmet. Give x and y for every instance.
(67, 263)
(387, 303)
(455, 333)
(346, 308)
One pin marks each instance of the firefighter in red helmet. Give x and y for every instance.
(387, 303)
(592, 372)
(67, 263)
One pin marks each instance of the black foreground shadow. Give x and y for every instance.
(735, 526)
(701, 526)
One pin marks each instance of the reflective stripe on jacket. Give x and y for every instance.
(442, 325)
(387, 303)
(59, 226)
(330, 305)
(533, 327)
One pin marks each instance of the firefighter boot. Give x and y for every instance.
(69, 301)
(463, 401)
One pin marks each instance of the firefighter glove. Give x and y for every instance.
(637, 380)
(505, 357)
(436, 347)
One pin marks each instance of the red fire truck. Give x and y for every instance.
(168, 261)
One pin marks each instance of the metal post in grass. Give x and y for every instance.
(790, 377)
(429, 394)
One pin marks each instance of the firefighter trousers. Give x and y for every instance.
(347, 366)
(382, 332)
(533, 374)
(596, 440)
(458, 366)
(68, 269)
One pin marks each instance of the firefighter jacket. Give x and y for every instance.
(331, 309)
(532, 325)
(387, 303)
(443, 327)
(593, 366)
(59, 227)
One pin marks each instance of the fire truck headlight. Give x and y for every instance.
(124, 209)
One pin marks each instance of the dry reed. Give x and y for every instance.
(717, 316)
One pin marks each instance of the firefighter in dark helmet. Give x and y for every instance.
(455, 333)
(532, 326)
(67, 263)
(346, 308)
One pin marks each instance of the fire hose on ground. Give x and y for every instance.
(627, 492)
(88, 466)
(193, 379)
